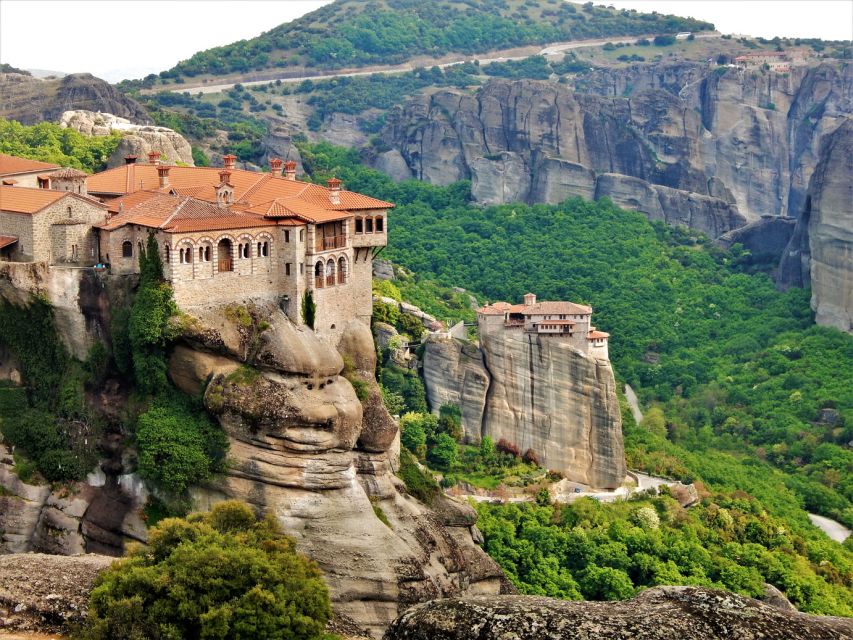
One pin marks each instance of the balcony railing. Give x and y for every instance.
(332, 242)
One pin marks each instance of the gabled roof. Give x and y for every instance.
(30, 200)
(551, 307)
(13, 164)
(597, 335)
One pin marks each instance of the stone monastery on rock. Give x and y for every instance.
(225, 234)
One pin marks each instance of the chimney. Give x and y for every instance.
(153, 157)
(224, 176)
(130, 159)
(334, 191)
(229, 161)
(290, 170)
(163, 173)
(529, 299)
(275, 167)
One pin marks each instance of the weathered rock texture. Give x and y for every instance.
(661, 613)
(678, 142)
(30, 100)
(137, 140)
(536, 393)
(830, 231)
(46, 593)
(304, 448)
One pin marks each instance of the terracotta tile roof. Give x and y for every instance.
(29, 200)
(549, 307)
(69, 172)
(5, 241)
(255, 191)
(495, 309)
(181, 214)
(597, 335)
(14, 164)
(129, 201)
(558, 322)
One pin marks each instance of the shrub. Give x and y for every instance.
(664, 41)
(531, 457)
(309, 309)
(224, 575)
(419, 482)
(505, 446)
(412, 434)
(444, 453)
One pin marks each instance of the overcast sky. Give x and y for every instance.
(117, 39)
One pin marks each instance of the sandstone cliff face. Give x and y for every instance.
(679, 142)
(660, 613)
(538, 394)
(137, 140)
(304, 448)
(30, 100)
(830, 231)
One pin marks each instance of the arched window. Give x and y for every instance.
(380, 224)
(342, 270)
(139, 247)
(318, 274)
(368, 225)
(263, 249)
(201, 254)
(127, 249)
(69, 212)
(359, 225)
(166, 254)
(330, 273)
(243, 250)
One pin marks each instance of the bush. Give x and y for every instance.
(530, 457)
(223, 575)
(413, 435)
(309, 309)
(419, 482)
(505, 446)
(444, 453)
(664, 41)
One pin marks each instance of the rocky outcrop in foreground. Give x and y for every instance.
(661, 613)
(137, 140)
(304, 448)
(30, 100)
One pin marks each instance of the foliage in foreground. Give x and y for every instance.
(222, 575)
(49, 142)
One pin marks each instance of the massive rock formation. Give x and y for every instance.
(709, 148)
(304, 448)
(660, 613)
(30, 100)
(537, 393)
(137, 139)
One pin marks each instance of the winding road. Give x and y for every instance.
(833, 529)
(555, 49)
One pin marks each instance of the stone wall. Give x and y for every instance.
(35, 242)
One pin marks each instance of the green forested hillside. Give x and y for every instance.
(734, 364)
(363, 32)
(49, 142)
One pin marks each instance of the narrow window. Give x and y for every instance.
(287, 269)
(302, 235)
(201, 254)
(368, 225)
(379, 224)
(166, 254)
(286, 235)
(127, 249)
(207, 253)
(359, 228)
(69, 212)
(301, 268)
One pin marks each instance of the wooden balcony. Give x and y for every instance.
(329, 243)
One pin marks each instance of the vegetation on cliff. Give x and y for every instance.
(348, 33)
(49, 142)
(220, 575)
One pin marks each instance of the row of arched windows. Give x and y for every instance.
(370, 225)
(330, 272)
(186, 251)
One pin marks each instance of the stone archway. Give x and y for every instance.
(224, 255)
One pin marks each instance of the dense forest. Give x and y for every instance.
(49, 142)
(350, 33)
(727, 362)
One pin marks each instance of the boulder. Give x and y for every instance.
(660, 613)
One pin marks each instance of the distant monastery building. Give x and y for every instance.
(566, 322)
(225, 234)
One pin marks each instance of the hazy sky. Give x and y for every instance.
(117, 39)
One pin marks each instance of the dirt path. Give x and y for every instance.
(634, 404)
(518, 53)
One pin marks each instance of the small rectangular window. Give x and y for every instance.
(286, 235)
(301, 268)
(368, 225)
(287, 269)
(302, 235)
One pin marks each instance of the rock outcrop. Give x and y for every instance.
(137, 140)
(537, 394)
(709, 148)
(304, 448)
(765, 239)
(660, 613)
(830, 231)
(31, 100)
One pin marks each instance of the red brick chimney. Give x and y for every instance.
(334, 191)
(275, 167)
(290, 170)
(163, 173)
(529, 299)
(153, 157)
(130, 159)
(229, 161)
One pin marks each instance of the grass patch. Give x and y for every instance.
(419, 482)
(374, 502)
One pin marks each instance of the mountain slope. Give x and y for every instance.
(351, 33)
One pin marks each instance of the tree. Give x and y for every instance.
(309, 309)
(412, 434)
(224, 575)
(444, 453)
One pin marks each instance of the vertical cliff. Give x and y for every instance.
(538, 393)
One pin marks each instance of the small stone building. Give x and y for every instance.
(565, 321)
(42, 225)
(228, 235)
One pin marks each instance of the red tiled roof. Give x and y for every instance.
(546, 307)
(69, 172)
(14, 164)
(597, 335)
(5, 241)
(29, 200)
(559, 322)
